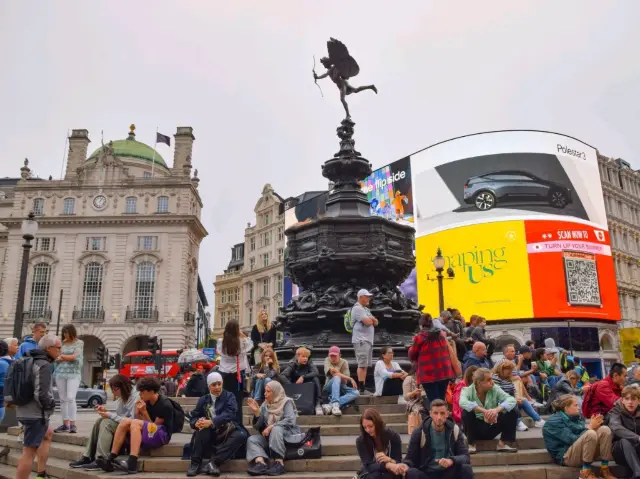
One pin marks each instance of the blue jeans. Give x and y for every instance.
(2, 410)
(258, 388)
(340, 393)
(526, 406)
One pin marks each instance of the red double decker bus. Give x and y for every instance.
(138, 364)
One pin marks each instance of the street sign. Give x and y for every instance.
(211, 352)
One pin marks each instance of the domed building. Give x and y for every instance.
(116, 248)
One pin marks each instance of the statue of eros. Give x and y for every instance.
(340, 67)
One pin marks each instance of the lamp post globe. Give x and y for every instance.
(439, 261)
(29, 228)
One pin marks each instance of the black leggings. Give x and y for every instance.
(392, 387)
(230, 383)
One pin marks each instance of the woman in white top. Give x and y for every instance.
(234, 348)
(388, 375)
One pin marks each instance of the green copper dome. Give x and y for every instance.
(130, 148)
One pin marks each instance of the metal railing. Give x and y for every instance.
(37, 315)
(189, 318)
(93, 315)
(141, 315)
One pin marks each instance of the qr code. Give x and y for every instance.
(582, 281)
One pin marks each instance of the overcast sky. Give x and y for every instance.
(239, 73)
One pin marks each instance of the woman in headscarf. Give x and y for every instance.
(275, 420)
(215, 424)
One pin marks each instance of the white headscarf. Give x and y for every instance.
(214, 378)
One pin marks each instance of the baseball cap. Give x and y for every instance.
(334, 351)
(364, 292)
(525, 349)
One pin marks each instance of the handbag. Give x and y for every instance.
(222, 433)
(413, 422)
(303, 397)
(309, 447)
(455, 363)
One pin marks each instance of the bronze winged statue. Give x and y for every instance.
(340, 67)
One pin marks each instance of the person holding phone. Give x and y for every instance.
(571, 443)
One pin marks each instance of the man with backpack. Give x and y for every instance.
(601, 396)
(31, 342)
(29, 386)
(157, 418)
(363, 324)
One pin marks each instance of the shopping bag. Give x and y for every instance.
(303, 396)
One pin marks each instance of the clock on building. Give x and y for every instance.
(100, 202)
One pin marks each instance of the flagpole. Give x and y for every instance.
(153, 160)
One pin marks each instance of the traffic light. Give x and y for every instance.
(117, 359)
(100, 354)
(153, 344)
(636, 351)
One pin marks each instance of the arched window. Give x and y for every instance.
(163, 204)
(92, 288)
(145, 288)
(38, 206)
(131, 204)
(40, 286)
(68, 206)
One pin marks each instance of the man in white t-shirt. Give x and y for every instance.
(362, 337)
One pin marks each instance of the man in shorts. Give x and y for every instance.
(35, 415)
(151, 429)
(362, 337)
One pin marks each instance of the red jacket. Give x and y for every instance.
(457, 410)
(605, 394)
(431, 353)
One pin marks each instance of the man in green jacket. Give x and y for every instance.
(487, 412)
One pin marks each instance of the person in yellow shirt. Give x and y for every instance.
(398, 205)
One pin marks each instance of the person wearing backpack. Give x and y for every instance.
(602, 395)
(29, 386)
(437, 449)
(156, 420)
(363, 324)
(4, 367)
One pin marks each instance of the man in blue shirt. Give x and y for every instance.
(31, 342)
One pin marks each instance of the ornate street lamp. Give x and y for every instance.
(439, 263)
(29, 230)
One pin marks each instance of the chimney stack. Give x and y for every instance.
(182, 150)
(78, 144)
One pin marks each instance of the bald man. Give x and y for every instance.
(477, 357)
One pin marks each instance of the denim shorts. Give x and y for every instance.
(34, 431)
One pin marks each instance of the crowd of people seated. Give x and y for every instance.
(454, 399)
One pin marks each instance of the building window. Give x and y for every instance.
(280, 254)
(280, 233)
(265, 259)
(252, 263)
(163, 204)
(147, 243)
(252, 244)
(237, 294)
(45, 244)
(265, 287)
(250, 316)
(145, 288)
(130, 204)
(38, 206)
(40, 289)
(146, 174)
(96, 243)
(266, 238)
(279, 283)
(223, 318)
(267, 219)
(250, 290)
(236, 315)
(279, 304)
(92, 288)
(68, 206)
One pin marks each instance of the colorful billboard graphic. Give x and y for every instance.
(520, 218)
(389, 192)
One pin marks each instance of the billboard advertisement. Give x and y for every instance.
(520, 218)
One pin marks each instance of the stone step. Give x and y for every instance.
(59, 469)
(337, 429)
(334, 420)
(361, 401)
(381, 408)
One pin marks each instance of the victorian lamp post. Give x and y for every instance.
(439, 262)
(29, 230)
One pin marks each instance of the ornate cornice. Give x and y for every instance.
(91, 255)
(192, 221)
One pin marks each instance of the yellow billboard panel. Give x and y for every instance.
(491, 269)
(629, 337)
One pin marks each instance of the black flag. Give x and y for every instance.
(160, 138)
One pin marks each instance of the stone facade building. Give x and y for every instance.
(257, 284)
(118, 241)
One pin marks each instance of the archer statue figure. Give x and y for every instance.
(340, 67)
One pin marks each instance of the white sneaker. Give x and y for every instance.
(335, 409)
(537, 404)
(402, 401)
(326, 409)
(319, 410)
(521, 427)
(472, 449)
(539, 423)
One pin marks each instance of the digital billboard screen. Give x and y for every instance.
(520, 218)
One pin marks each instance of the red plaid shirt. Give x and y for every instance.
(431, 353)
